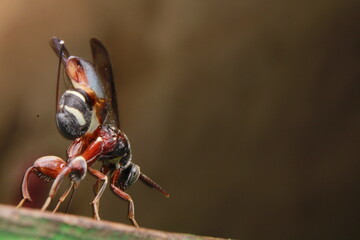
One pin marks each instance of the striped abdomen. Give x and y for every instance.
(74, 116)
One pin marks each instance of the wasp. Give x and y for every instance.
(87, 113)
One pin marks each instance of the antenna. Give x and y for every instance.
(58, 75)
(148, 181)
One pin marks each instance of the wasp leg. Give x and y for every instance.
(76, 167)
(123, 195)
(104, 170)
(63, 197)
(65, 172)
(47, 168)
(95, 202)
(24, 187)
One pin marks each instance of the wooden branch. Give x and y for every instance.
(33, 224)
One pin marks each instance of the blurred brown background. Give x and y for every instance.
(246, 111)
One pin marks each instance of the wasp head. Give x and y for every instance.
(128, 176)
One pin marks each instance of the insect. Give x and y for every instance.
(87, 113)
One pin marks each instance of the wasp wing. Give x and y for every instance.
(79, 72)
(103, 69)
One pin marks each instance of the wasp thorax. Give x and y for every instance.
(123, 150)
(120, 155)
(74, 116)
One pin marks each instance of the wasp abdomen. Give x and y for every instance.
(74, 116)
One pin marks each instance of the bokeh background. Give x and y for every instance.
(246, 111)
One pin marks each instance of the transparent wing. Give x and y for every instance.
(80, 73)
(103, 69)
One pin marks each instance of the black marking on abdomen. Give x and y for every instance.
(74, 116)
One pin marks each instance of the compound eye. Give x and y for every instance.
(129, 175)
(134, 174)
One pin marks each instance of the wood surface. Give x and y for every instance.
(27, 223)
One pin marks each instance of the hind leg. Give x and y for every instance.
(47, 168)
(63, 197)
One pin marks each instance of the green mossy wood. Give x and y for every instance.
(33, 224)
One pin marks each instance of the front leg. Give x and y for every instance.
(65, 194)
(123, 195)
(47, 168)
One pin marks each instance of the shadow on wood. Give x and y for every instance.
(33, 224)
